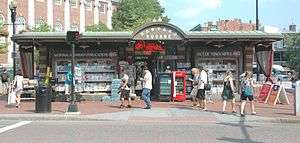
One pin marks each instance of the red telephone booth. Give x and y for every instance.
(179, 86)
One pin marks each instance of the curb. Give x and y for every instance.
(64, 117)
(45, 117)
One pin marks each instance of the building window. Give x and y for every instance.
(73, 3)
(58, 2)
(58, 27)
(88, 4)
(39, 22)
(2, 19)
(74, 28)
(21, 23)
(102, 7)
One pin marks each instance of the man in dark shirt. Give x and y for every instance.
(5, 81)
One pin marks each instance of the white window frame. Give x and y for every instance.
(58, 24)
(58, 2)
(21, 23)
(87, 5)
(76, 3)
(104, 8)
(74, 28)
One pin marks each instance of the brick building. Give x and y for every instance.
(61, 15)
(225, 25)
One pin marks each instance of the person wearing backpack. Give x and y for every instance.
(247, 93)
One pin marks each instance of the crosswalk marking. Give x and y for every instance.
(13, 126)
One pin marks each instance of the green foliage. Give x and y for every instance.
(44, 27)
(97, 28)
(132, 14)
(3, 48)
(292, 40)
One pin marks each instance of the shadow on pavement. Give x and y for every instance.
(245, 133)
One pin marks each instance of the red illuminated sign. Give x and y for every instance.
(148, 47)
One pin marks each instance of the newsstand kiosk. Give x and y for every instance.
(178, 86)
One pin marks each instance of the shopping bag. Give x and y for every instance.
(11, 97)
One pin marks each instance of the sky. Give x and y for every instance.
(186, 14)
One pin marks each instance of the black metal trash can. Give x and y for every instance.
(43, 99)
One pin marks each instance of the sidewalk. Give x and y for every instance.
(161, 111)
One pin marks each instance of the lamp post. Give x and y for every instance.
(257, 28)
(13, 11)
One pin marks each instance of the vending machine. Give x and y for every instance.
(179, 86)
(165, 86)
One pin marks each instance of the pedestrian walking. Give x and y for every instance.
(125, 89)
(68, 81)
(247, 93)
(5, 81)
(201, 90)
(147, 87)
(228, 90)
(195, 83)
(18, 87)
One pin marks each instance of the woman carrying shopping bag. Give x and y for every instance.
(18, 84)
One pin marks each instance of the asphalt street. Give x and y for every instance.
(147, 132)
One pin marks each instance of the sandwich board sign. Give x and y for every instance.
(277, 95)
(264, 92)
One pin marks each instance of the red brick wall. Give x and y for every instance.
(89, 17)
(234, 25)
(75, 15)
(40, 10)
(3, 11)
(58, 13)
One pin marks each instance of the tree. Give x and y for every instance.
(132, 14)
(4, 33)
(43, 27)
(97, 28)
(292, 41)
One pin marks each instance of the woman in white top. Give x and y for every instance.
(125, 90)
(18, 87)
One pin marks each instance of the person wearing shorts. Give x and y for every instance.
(247, 82)
(201, 92)
(125, 90)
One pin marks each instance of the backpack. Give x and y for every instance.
(247, 90)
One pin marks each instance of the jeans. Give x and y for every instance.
(146, 96)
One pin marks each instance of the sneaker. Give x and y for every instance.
(147, 107)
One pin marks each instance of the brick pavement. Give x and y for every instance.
(97, 107)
